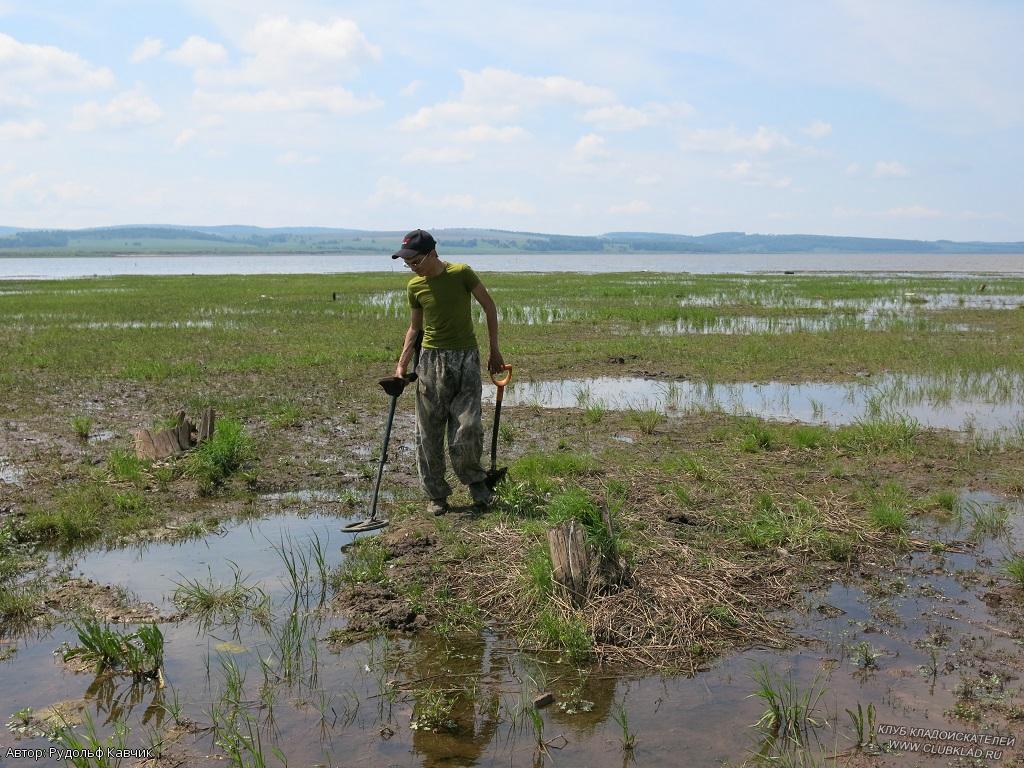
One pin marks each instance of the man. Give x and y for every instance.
(449, 386)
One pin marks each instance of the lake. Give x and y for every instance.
(253, 264)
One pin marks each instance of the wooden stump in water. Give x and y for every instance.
(168, 442)
(572, 562)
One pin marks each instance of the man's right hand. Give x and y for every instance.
(400, 371)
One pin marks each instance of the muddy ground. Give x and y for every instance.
(331, 452)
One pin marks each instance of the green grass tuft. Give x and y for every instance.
(568, 634)
(227, 451)
(889, 508)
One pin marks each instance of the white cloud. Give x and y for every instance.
(616, 118)
(129, 108)
(648, 179)
(852, 169)
(499, 95)
(498, 85)
(482, 133)
(47, 67)
(198, 52)
(147, 49)
(730, 141)
(456, 112)
(185, 137)
(14, 103)
(899, 212)
(300, 54)
(73, 191)
(589, 147)
(297, 158)
(753, 175)
(411, 88)
(290, 66)
(439, 156)
(390, 191)
(913, 212)
(633, 206)
(515, 206)
(334, 100)
(26, 188)
(22, 131)
(818, 129)
(890, 169)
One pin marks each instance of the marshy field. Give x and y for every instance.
(804, 493)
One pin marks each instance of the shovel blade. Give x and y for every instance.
(495, 476)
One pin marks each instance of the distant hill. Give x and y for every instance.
(164, 239)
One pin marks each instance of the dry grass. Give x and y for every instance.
(687, 596)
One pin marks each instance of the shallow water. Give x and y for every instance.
(747, 325)
(355, 705)
(253, 264)
(989, 403)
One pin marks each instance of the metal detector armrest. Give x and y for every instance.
(394, 385)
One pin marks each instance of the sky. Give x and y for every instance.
(878, 118)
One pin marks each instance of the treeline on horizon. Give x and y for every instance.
(243, 239)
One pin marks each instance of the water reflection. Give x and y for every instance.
(990, 403)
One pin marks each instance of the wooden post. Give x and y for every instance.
(206, 425)
(571, 560)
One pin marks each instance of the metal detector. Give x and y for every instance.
(393, 386)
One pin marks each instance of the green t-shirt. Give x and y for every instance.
(445, 301)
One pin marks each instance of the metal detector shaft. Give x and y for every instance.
(383, 456)
(394, 390)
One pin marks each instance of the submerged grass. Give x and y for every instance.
(139, 653)
(211, 601)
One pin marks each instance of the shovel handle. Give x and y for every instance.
(502, 381)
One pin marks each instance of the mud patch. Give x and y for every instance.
(110, 603)
(371, 607)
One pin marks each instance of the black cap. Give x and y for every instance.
(416, 242)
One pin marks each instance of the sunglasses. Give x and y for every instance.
(415, 262)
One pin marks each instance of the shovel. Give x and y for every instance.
(393, 386)
(495, 475)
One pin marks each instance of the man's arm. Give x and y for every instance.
(415, 326)
(494, 359)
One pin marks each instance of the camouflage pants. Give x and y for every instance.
(448, 401)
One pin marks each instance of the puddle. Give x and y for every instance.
(777, 298)
(904, 640)
(250, 545)
(987, 403)
(770, 325)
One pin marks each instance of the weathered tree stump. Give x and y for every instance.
(168, 442)
(572, 562)
(144, 446)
